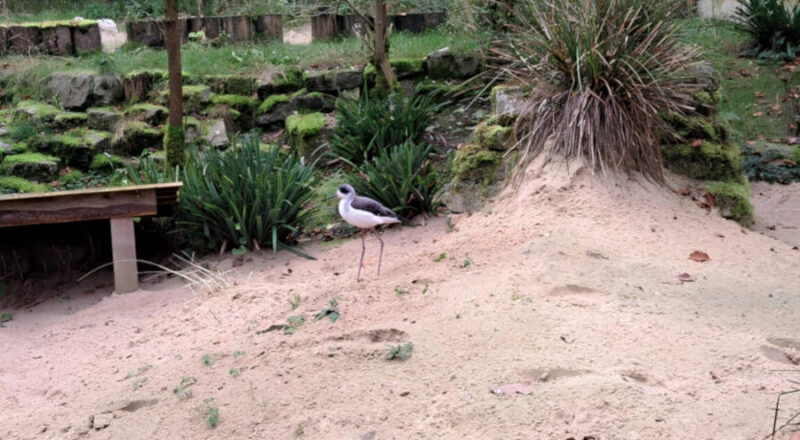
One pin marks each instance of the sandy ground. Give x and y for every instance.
(778, 211)
(300, 35)
(567, 286)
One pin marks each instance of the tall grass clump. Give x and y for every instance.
(601, 73)
(372, 123)
(403, 178)
(244, 196)
(773, 25)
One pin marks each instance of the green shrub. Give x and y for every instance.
(606, 71)
(23, 131)
(774, 26)
(402, 178)
(244, 194)
(372, 124)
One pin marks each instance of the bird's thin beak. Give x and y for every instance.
(333, 196)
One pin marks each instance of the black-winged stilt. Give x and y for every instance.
(364, 213)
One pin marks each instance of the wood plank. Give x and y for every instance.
(109, 189)
(123, 247)
(78, 207)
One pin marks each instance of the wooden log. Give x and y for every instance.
(24, 40)
(70, 206)
(434, 19)
(270, 27)
(323, 27)
(123, 248)
(3, 40)
(86, 38)
(238, 27)
(58, 40)
(352, 25)
(211, 26)
(147, 32)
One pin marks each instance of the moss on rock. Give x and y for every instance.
(195, 98)
(238, 102)
(304, 129)
(733, 200)
(271, 102)
(15, 184)
(692, 127)
(473, 163)
(708, 161)
(306, 126)
(31, 165)
(65, 121)
(493, 137)
(231, 84)
(36, 111)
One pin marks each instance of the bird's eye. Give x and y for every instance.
(344, 190)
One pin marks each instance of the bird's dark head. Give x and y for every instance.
(345, 192)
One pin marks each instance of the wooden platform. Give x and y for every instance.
(118, 204)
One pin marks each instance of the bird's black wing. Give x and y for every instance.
(371, 206)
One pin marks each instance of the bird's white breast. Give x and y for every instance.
(362, 219)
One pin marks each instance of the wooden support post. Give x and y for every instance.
(123, 247)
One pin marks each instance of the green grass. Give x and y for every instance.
(246, 58)
(721, 44)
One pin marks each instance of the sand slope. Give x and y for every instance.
(571, 289)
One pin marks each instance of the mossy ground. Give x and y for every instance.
(474, 163)
(13, 184)
(733, 199)
(708, 161)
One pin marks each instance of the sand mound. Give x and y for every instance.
(565, 295)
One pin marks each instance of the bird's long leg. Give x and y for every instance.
(380, 258)
(363, 249)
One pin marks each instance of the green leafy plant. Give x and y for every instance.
(23, 131)
(606, 72)
(238, 354)
(294, 322)
(440, 258)
(243, 196)
(774, 25)
(402, 178)
(331, 312)
(5, 317)
(234, 372)
(207, 361)
(400, 352)
(212, 413)
(182, 390)
(295, 301)
(371, 124)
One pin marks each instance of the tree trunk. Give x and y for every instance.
(174, 139)
(381, 54)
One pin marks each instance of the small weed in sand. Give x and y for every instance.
(207, 361)
(294, 323)
(299, 431)
(440, 258)
(467, 263)
(331, 312)
(400, 352)
(182, 391)
(5, 317)
(238, 354)
(138, 383)
(234, 372)
(295, 301)
(212, 413)
(399, 292)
